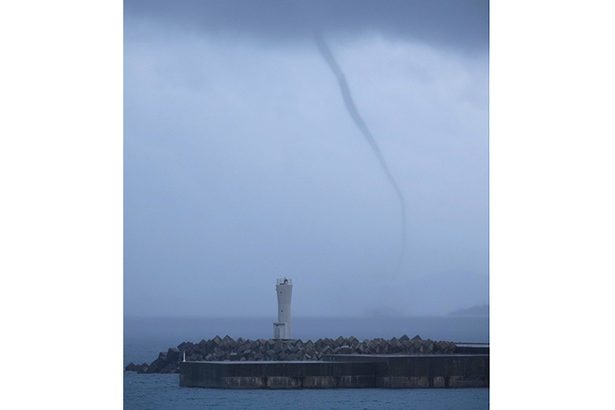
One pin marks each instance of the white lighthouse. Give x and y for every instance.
(284, 290)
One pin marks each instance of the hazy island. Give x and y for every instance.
(473, 311)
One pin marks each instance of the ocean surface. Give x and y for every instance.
(144, 338)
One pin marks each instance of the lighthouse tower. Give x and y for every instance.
(284, 290)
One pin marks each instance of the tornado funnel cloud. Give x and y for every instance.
(360, 123)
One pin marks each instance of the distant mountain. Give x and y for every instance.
(478, 310)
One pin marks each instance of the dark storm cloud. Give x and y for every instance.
(243, 160)
(461, 24)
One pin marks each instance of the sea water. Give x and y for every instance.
(144, 338)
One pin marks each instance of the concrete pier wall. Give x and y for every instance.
(342, 371)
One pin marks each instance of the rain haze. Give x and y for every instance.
(244, 162)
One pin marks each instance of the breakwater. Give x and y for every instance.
(342, 371)
(229, 349)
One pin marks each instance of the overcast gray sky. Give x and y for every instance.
(243, 165)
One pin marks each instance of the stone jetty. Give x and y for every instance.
(228, 349)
